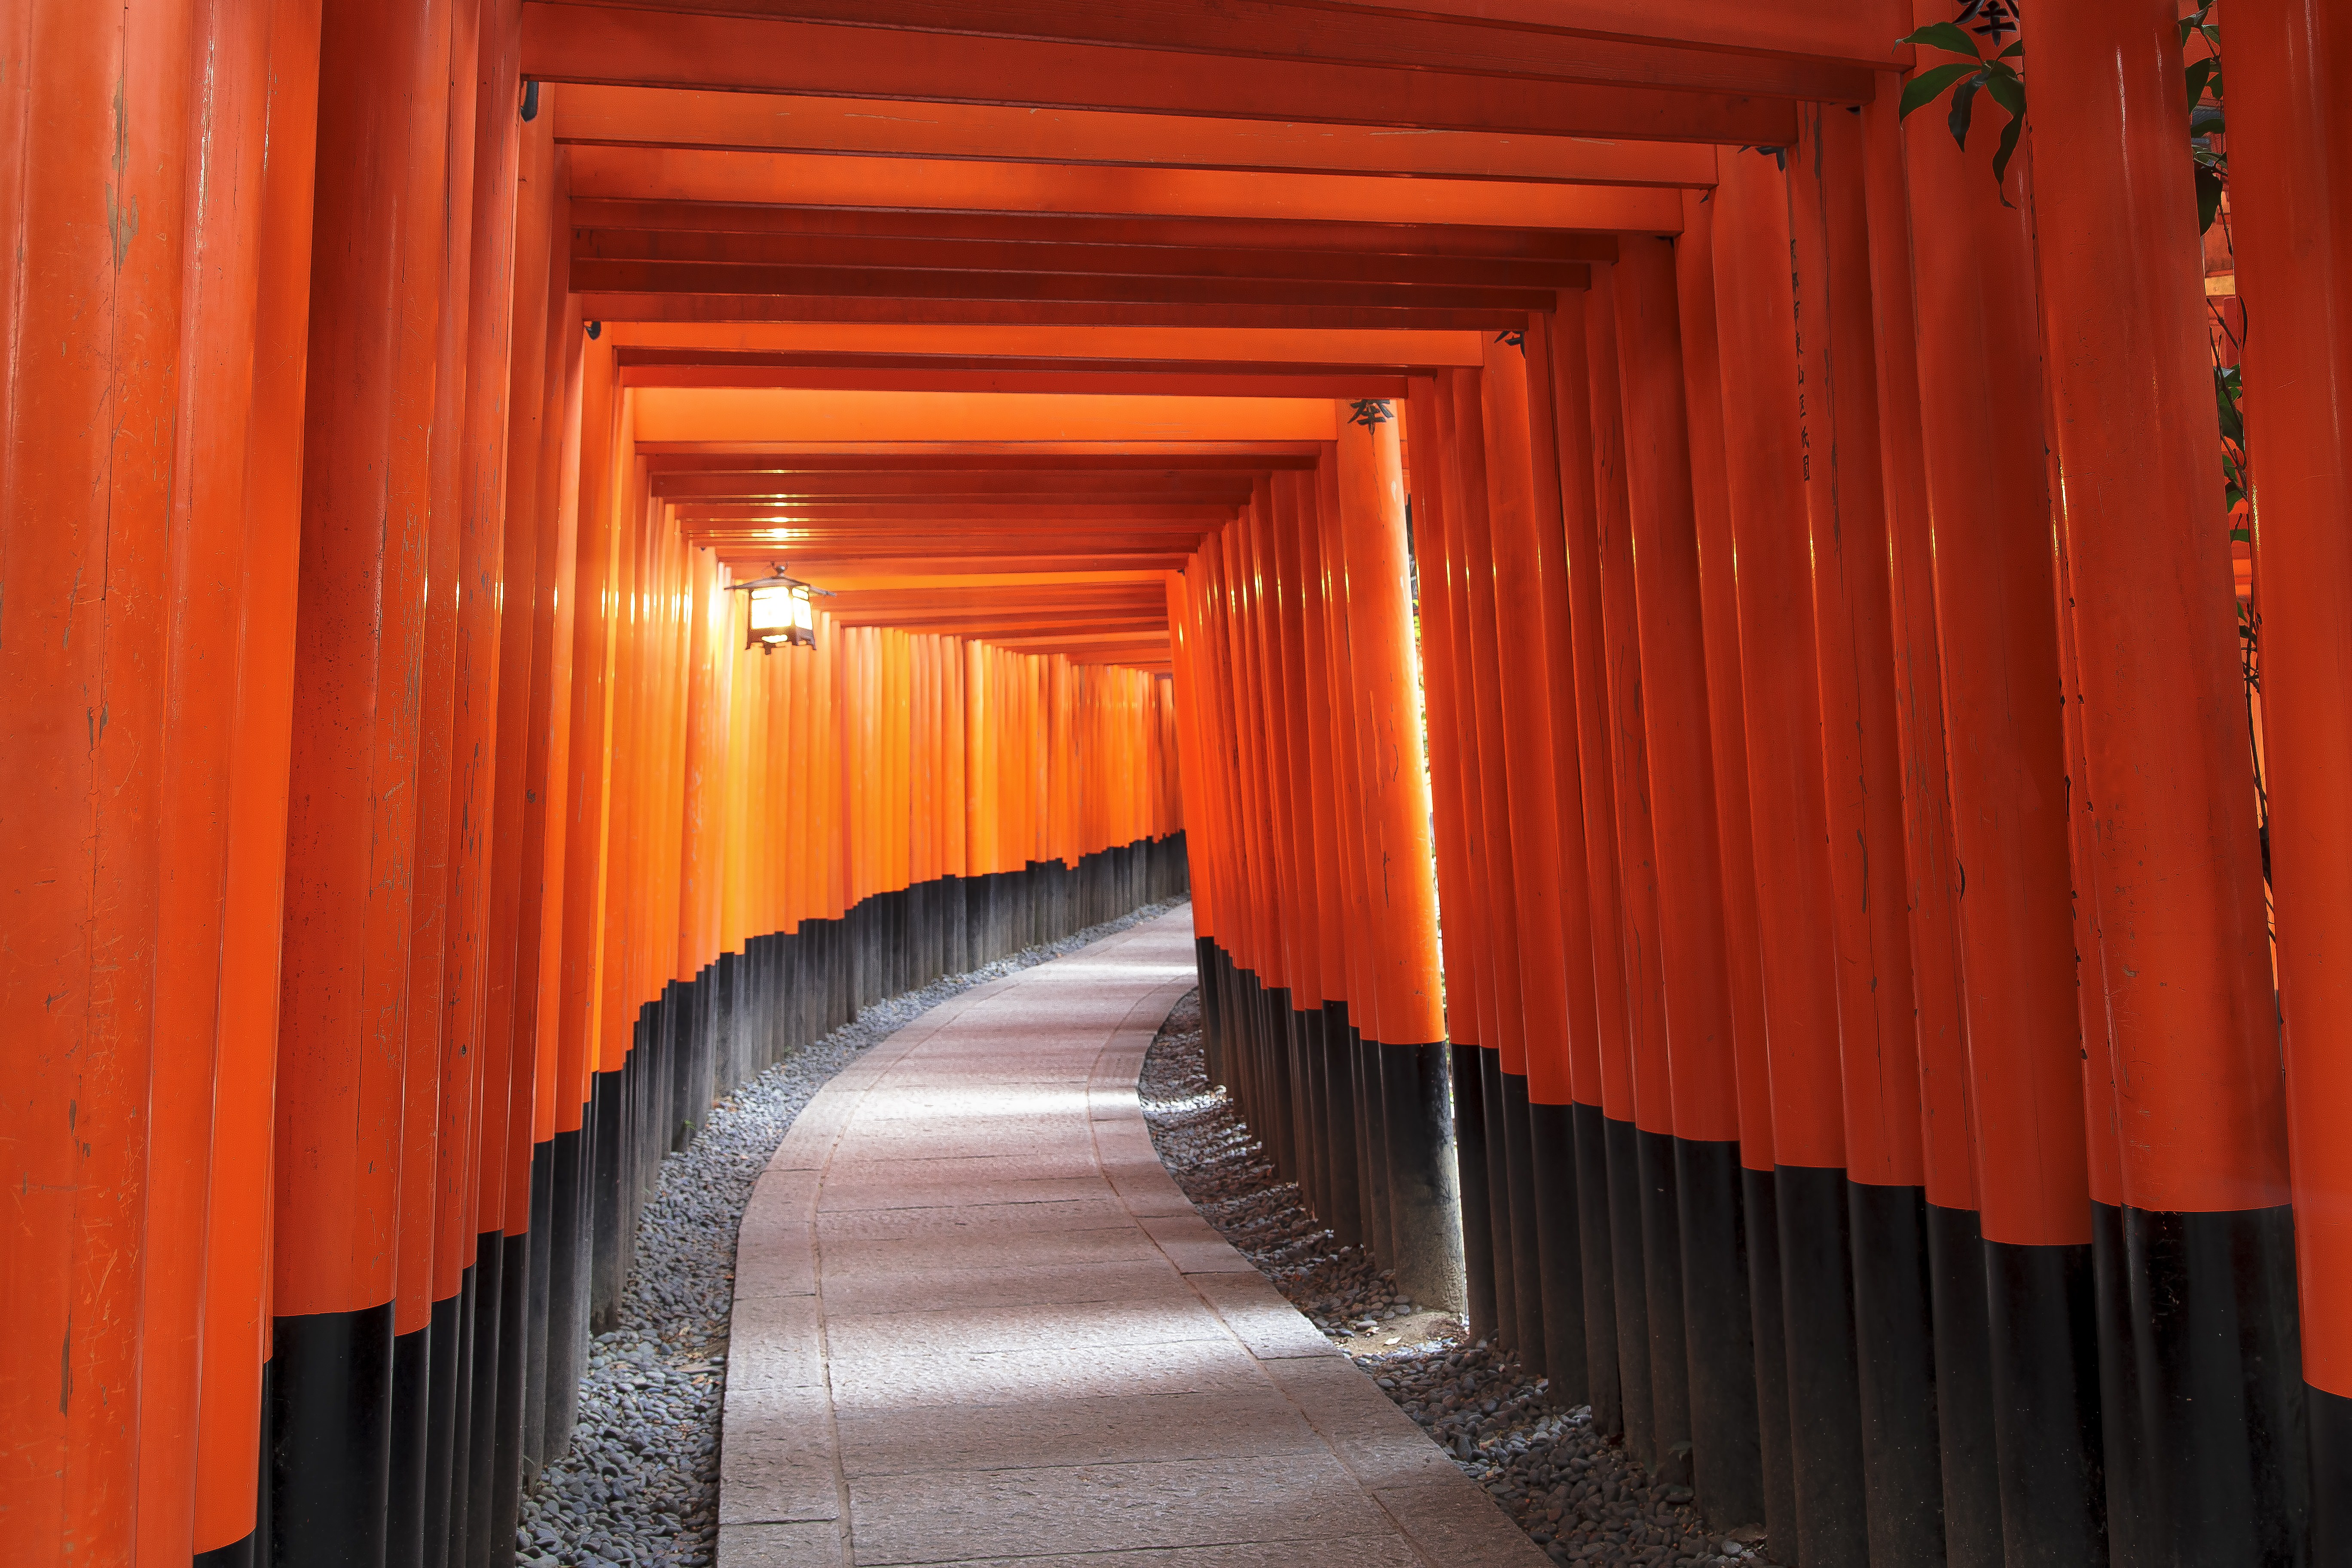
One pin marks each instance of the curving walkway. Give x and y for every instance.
(976, 1322)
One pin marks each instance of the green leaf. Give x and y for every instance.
(2242, 536)
(1929, 86)
(2015, 49)
(2009, 92)
(2007, 150)
(2196, 76)
(1963, 106)
(1946, 35)
(2209, 197)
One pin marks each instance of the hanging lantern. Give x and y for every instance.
(781, 613)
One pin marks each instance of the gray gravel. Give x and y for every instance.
(640, 1486)
(1580, 1497)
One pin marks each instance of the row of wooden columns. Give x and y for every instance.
(1827, 630)
(403, 847)
(1302, 740)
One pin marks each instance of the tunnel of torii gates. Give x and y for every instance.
(1889, 1039)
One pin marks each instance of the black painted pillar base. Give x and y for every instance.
(1895, 1350)
(1551, 1154)
(1766, 1305)
(1603, 1385)
(1471, 1163)
(1346, 1213)
(1425, 1205)
(2042, 1376)
(1824, 1397)
(1964, 1424)
(2331, 1475)
(1498, 1198)
(1629, 1286)
(1726, 1461)
(331, 1430)
(2213, 1466)
(1526, 1243)
(1661, 1272)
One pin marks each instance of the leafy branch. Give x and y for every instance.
(2205, 118)
(1972, 74)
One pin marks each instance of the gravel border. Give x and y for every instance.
(639, 1487)
(1581, 1498)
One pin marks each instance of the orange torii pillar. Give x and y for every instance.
(1491, 905)
(1401, 937)
(1989, 498)
(1693, 953)
(1616, 1357)
(2205, 1448)
(1338, 1197)
(1572, 1139)
(1742, 913)
(1800, 1268)
(1529, 566)
(1652, 1355)
(1459, 820)
(2294, 215)
(345, 1032)
(1962, 1346)
(1361, 1020)
(1846, 500)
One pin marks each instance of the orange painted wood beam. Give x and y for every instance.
(771, 123)
(789, 179)
(774, 279)
(869, 478)
(1111, 384)
(1172, 346)
(609, 306)
(816, 566)
(1848, 31)
(708, 415)
(1399, 264)
(1527, 236)
(796, 457)
(1275, 32)
(1162, 483)
(605, 44)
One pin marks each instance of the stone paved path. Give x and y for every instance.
(976, 1322)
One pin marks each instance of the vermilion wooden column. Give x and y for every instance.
(1403, 937)
(1605, 1091)
(2204, 1233)
(1767, 464)
(238, 1265)
(1694, 960)
(1376, 1170)
(1298, 550)
(1348, 1209)
(1543, 1233)
(200, 605)
(1571, 1133)
(376, 280)
(1846, 503)
(1979, 337)
(1459, 831)
(81, 820)
(412, 1404)
(1964, 1411)
(1650, 1281)
(1486, 764)
(2293, 206)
